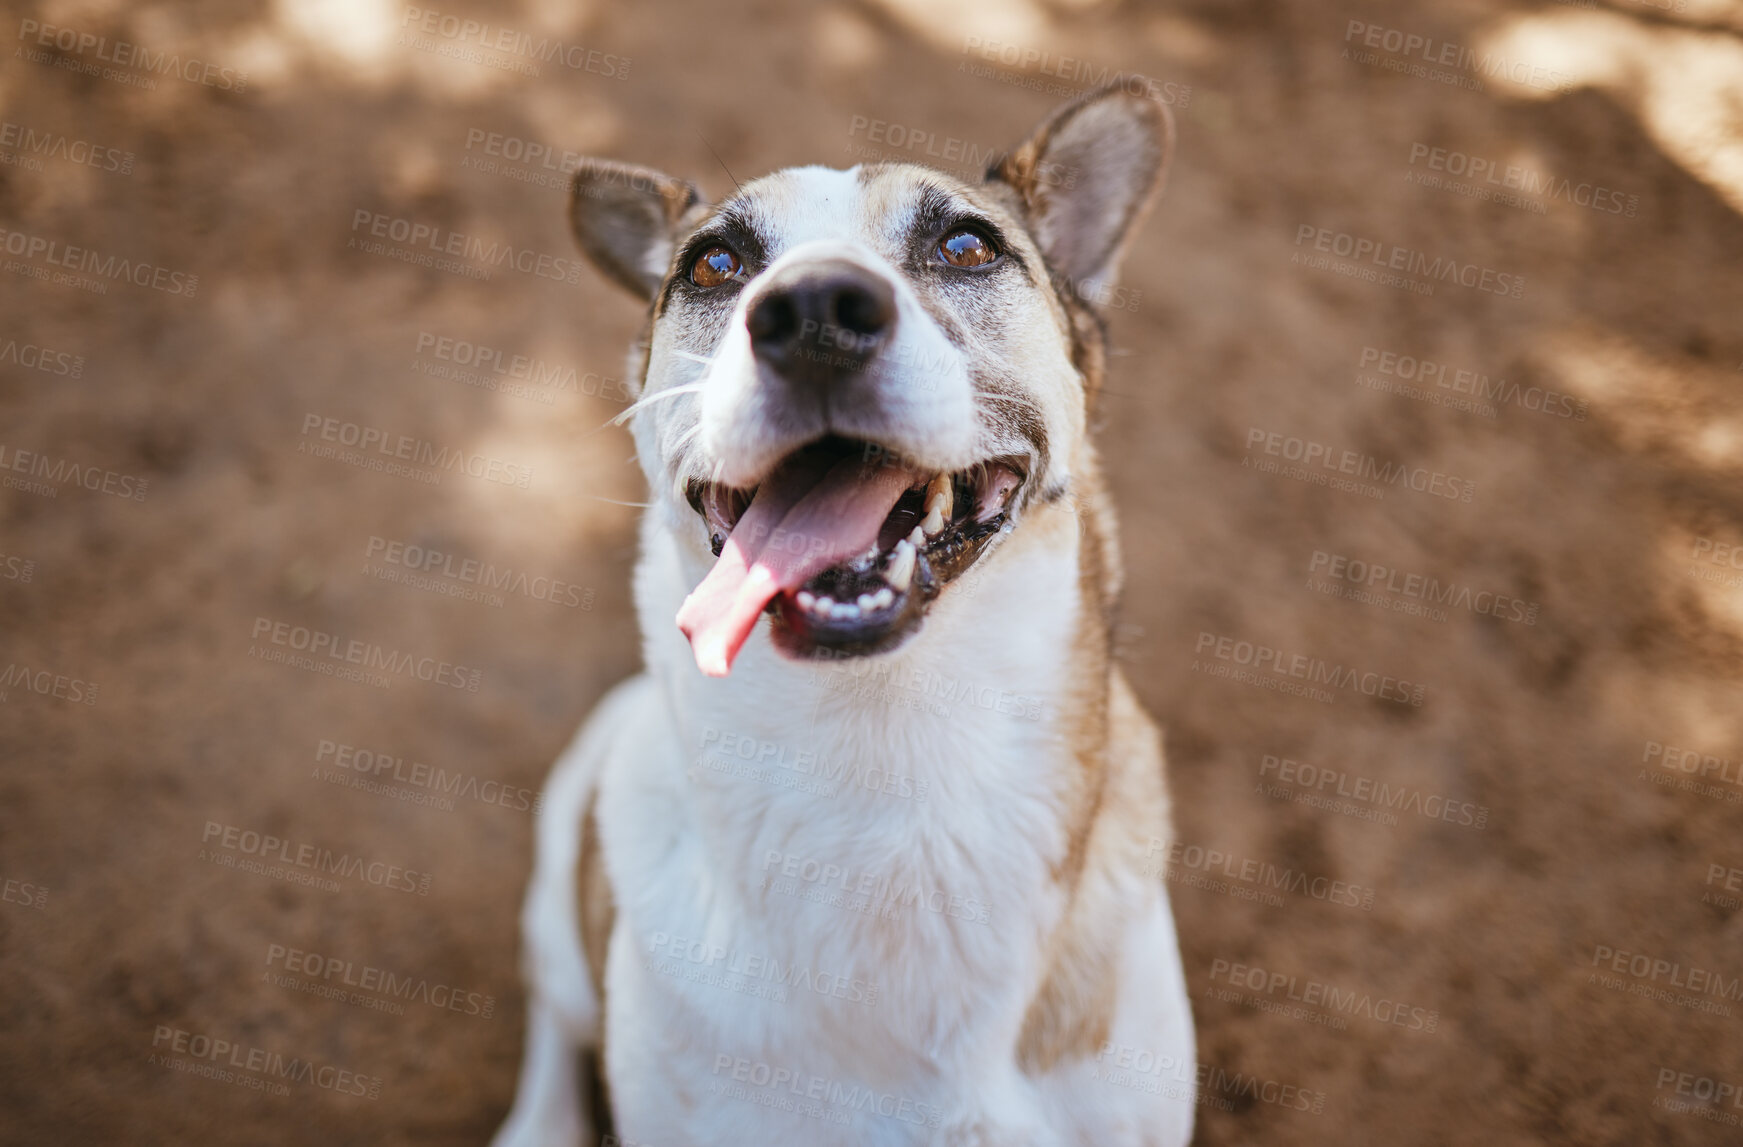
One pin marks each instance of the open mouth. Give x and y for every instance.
(844, 543)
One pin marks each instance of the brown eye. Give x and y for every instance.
(714, 267)
(966, 248)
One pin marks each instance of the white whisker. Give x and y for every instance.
(683, 439)
(649, 399)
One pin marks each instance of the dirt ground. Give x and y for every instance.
(1537, 923)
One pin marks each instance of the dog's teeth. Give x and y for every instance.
(806, 599)
(867, 602)
(825, 604)
(917, 538)
(941, 492)
(901, 570)
(934, 523)
(846, 611)
(883, 598)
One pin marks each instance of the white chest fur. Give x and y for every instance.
(840, 872)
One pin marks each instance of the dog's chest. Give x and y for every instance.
(857, 865)
(893, 872)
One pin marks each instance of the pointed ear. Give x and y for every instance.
(1088, 175)
(627, 219)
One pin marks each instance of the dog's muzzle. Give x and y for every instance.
(815, 321)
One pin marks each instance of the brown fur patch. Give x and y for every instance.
(1074, 1007)
(1116, 798)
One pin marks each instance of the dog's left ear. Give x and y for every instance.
(1088, 175)
(627, 220)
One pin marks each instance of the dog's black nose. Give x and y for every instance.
(819, 318)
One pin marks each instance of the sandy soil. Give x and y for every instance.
(202, 515)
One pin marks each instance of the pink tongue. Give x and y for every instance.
(804, 520)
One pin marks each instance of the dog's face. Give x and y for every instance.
(855, 380)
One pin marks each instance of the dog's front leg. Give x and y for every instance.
(547, 1104)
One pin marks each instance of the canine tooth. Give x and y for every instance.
(917, 538)
(806, 599)
(942, 493)
(883, 598)
(901, 570)
(867, 602)
(934, 523)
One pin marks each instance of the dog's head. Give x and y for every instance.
(855, 380)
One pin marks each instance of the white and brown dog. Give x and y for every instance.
(881, 870)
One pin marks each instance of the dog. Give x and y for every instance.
(867, 854)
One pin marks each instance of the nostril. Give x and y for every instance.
(773, 320)
(862, 311)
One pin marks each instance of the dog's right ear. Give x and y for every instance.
(627, 220)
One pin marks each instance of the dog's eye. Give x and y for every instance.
(714, 267)
(966, 247)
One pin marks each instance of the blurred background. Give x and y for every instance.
(294, 354)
